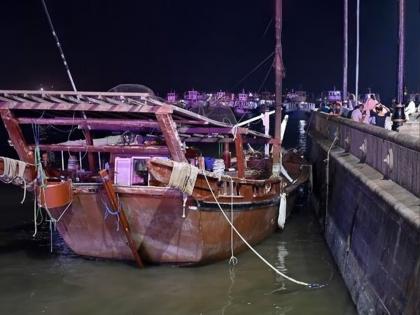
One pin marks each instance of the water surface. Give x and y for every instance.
(34, 281)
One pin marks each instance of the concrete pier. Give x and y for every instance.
(366, 189)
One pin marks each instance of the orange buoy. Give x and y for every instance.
(55, 194)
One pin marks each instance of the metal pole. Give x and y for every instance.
(401, 50)
(357, 49)
(346, 49)
(279, 72)
(399, 117)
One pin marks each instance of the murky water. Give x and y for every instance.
(34, 281)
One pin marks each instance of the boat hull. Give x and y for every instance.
(161, 234)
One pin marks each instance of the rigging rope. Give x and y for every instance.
(254, 69)
(266, 77)
(309, 285)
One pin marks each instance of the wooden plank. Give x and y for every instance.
(16, 136)
(77, 94)
(112, 197)
(54, 99)
(120, 108)
(117, 149)
(170, 133)
(94, 123)
(206, 130)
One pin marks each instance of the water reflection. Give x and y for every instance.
(281, 264)
(302, 135)
(229, 292)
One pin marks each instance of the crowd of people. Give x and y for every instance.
(372, 111)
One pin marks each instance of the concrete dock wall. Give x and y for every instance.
(370, 210)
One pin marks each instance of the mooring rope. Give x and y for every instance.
(232, 260)
(327, 171)
(309, 285)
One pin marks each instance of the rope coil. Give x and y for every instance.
(183, 177)
(13, 172)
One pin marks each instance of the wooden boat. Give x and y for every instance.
(160, 223)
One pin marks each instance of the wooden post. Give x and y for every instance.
(91, 157)
(112, 197)
(170, 133)
(240, 156)
(16, 136)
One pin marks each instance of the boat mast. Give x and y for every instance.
(60, 48)
(279, 73)
(346, 49)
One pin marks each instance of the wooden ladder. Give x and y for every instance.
(112, 197)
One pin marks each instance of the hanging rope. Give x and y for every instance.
(327, 171)
(41, 180)
(108, 212)
(232, 260)
(14, 172)
(309, 285)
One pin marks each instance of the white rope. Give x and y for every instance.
(13, 172)
(234, 132)
(35, 218)
(232, 260)
(253, 250)
(184, 204)
(327, 170)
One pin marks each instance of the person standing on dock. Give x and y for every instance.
(410, 109)
(379, 115)
(370, 103)
(359, 114)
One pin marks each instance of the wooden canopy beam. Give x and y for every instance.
(120, 108)
(170, 133)
(93, 123)
(116, 149)
(16, 136)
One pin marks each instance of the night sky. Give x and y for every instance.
(206, 45)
